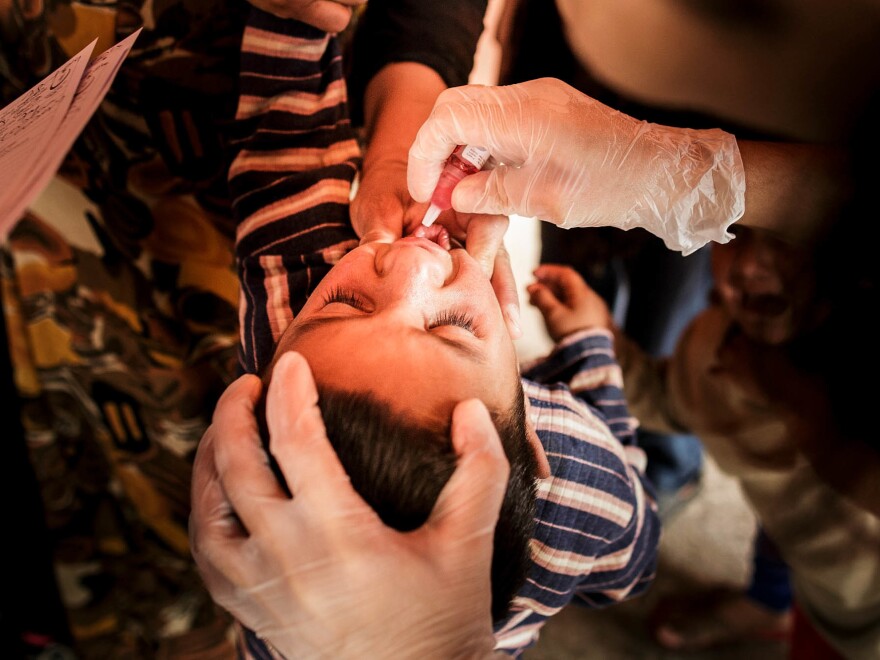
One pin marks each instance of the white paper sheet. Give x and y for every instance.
(39, 128)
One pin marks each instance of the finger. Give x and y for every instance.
(210, 508)
(243, 391)
(564, 281)
(377, 215)
(218, 583)
(328, 15)
(242, 463)
(210, 511)
(485, 235)
(215, 534)
(467, 510)
(508, 190)
(214, 539)
(299, 439)
(542, 297)
(504, 284)
(454, 120)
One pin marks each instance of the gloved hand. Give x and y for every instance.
(327, 15)
(382, 210)
(567, 302)
(565, 158)
(319, 575)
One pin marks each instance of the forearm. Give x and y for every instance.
(397, 101)
(789, 186)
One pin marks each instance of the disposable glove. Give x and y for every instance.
(320, 575)
(565, 158)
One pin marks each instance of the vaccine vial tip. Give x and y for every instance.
(431, 215)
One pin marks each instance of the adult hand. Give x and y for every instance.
(327, 15)
(567, 302)
(320, 575)
(570, 160)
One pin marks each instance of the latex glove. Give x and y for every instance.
(567, 302)
(570, 160)
(327, 15)
(397, 101)
(319, 575)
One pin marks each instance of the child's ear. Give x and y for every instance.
(535, 442)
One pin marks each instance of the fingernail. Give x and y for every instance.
(512, 313)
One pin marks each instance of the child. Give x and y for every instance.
(777, 294)
(397, 333)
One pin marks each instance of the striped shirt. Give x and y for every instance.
(596, 532)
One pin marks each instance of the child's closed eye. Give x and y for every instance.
(454, 318)
(337, 295)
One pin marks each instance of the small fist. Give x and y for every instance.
(567, 302)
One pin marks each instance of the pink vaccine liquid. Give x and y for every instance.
(464, 160)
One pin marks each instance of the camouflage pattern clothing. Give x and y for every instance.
(120, 302)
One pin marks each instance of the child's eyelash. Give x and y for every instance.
(454, 318)
(337, 295)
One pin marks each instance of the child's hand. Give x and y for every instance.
(566, 302)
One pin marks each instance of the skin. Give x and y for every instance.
(767, 285)
(327, 15)
(760, 67)
(397, 100)
(425, 314)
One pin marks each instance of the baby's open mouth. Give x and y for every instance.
(438, 234)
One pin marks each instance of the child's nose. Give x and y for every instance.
(414, 265)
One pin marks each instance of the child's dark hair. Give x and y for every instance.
(399, 469)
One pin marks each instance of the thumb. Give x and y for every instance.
(489, 191)
(467, 510)
(485, 237)
(543, 298)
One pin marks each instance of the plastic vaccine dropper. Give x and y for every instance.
(464, 160)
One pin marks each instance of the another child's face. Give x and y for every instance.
(412, 323)
(766, 285)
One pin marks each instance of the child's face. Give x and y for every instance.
(415, 324)
(766, 284)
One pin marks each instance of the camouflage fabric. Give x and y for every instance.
(120, 299)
